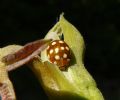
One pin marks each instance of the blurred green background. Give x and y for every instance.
(97, 20)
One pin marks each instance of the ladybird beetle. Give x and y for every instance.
(58, 52)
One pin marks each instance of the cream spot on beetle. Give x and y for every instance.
(57, 57)
(56, 50)
(51, 51)
(55, 62)
(61, 42)
(64, 55)
(53, 43)
(67, 48)
(62, 48)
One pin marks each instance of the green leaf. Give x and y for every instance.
(75, 82)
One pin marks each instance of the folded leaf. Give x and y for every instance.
(75, 83)
(6, 88)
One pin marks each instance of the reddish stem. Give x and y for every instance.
(25, 54)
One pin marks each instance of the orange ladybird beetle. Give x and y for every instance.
(58, 52)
